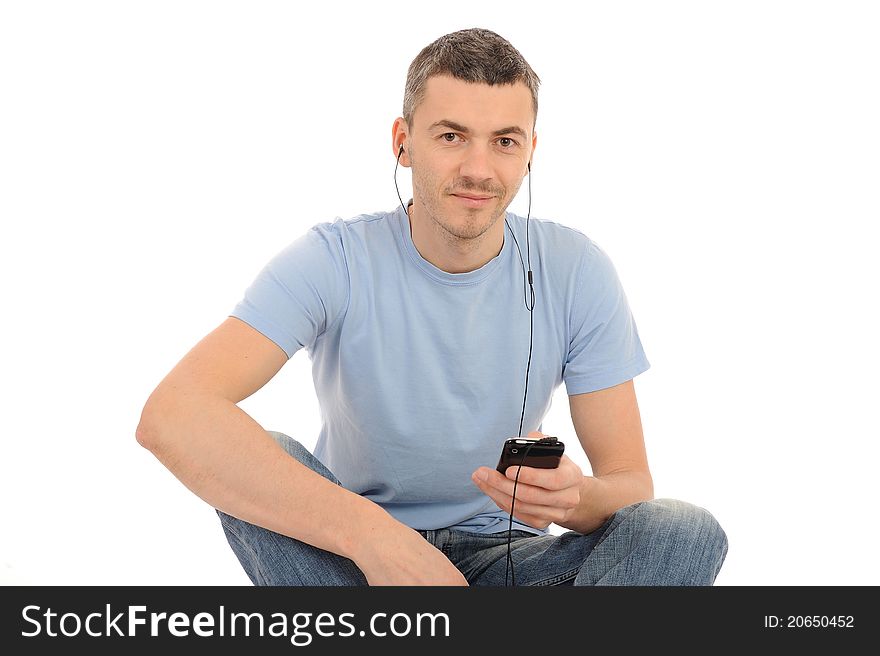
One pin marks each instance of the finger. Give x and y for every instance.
(567, 474)
(540, 516)
(501, 489)
(532, 514)
(548, 479)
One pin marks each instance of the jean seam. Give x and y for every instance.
(559, 578)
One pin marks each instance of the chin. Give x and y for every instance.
(470, 226)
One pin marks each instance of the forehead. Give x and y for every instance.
(475, 104)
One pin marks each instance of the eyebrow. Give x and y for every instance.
(452, 125)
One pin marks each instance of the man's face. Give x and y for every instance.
(469, 146)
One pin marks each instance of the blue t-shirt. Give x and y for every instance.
(420, 373)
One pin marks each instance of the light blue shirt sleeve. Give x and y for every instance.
(299, 294)
(605, 348)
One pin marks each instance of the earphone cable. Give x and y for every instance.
(509, 565)
(530, 306)
(399, 153)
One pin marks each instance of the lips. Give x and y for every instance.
(472, 196)
(473, 201)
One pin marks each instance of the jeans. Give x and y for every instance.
(661, 542)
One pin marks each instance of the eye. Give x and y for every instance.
(449, 137)
(506, 142)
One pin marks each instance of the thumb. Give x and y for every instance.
(536, 434)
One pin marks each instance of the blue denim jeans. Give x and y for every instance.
(658, 542)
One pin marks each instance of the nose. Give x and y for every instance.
(476, 163)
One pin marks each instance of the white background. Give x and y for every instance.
(154, 155)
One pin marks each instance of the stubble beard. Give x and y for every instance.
(469, 227)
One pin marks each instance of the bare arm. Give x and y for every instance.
(193, 425)
(609, 427)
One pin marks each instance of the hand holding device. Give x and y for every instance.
(543, 453)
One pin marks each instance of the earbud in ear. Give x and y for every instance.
(400, 152)
(529, 165)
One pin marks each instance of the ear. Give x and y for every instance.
(400, 139)
(531, 153)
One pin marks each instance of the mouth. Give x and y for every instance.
(473, 200)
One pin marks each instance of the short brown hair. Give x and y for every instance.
(472, 55)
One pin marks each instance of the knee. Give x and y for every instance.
(691, 526)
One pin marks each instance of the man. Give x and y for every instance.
(436, 331)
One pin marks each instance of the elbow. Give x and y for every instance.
(149, 429)
(146, 432)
